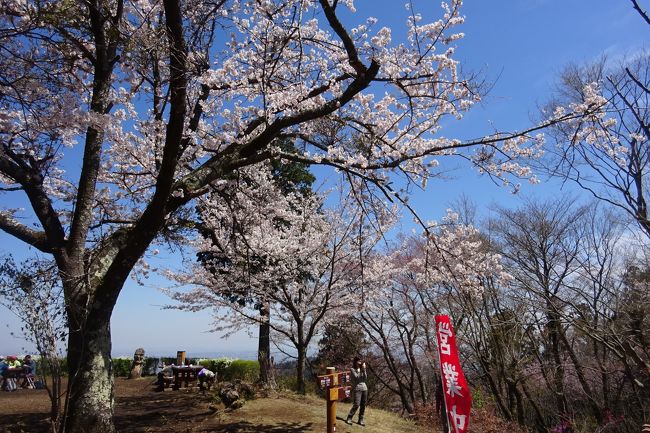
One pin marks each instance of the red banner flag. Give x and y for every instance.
(458, 400)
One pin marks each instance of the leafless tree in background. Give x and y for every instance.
(609, 158)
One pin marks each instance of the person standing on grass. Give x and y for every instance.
(358, 377)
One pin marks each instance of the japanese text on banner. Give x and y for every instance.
(458, 399)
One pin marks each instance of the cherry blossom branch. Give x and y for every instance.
(37, 239)
(212, 169)
(112, 221)
(140, 236)
(32, 185)
(350, 48)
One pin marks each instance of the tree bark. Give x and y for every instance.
(89, 408)
(496, 393)
(266, 379)
(540, 424)
(300, 369)
(554, 331)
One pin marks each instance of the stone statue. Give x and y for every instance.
(136, 366)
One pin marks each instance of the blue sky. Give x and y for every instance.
(521, 45)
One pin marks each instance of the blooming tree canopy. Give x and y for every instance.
(411, 284)
(278, 258)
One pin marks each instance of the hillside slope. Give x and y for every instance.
(297, 414)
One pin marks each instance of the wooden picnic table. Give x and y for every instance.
(12, 375)
(16, 372)
(185, 374)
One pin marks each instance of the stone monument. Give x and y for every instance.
(136, 366)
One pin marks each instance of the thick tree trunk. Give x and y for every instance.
(89, 408)
(407, 403)
(511, 386)
(300, 369)
(495, 389)
(520, 407)
(54, 392)
(267, 378)
(498, 397)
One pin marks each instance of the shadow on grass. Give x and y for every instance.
(342, 426)
(25, 422)
(160, 412)
(247, 427)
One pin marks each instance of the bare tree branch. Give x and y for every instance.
(641, 12)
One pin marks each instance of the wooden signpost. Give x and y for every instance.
(331, 383)
(180, 357)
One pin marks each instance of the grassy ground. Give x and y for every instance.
(298, 414)
(139, 409)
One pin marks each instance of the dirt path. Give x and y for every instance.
(138, 408)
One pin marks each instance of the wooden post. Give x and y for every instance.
(330, 382)
(331, 400)
(180, 357)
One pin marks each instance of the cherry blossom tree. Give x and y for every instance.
(116, 114)
(415, 281)
(278, 259)
(290, 178)
(32, 291)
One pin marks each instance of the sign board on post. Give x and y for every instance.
(328, 380)
(458, 400)
(333, 392)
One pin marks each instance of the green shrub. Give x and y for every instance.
(230, 369)
(218, 365)
(242, 369)
(289, 382)
(43, 368)
(121, 367)
(227, 369)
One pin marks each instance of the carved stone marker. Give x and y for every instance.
(136, 366)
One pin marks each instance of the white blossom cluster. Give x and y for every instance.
(452, 258)
(594, 125)
(270, 247)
